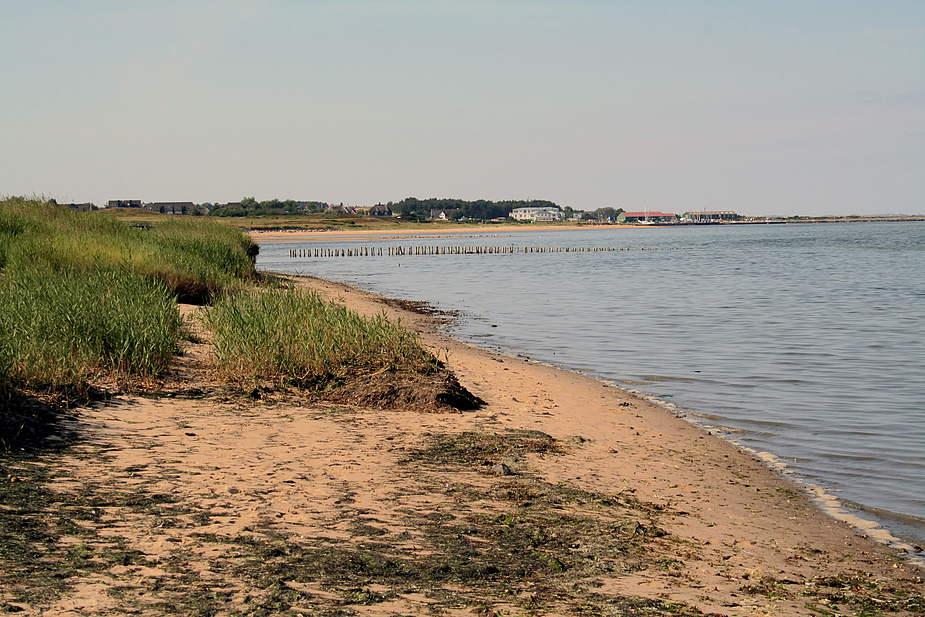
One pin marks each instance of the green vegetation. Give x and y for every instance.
(251, 207)
(291, 335)
(194, 258)
(603, 214)
(85, 297)
(199, 259)
(64, 330)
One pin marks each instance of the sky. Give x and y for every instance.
(779, 108)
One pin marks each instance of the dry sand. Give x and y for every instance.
(660, 518)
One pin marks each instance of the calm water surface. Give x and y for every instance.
(805, 341)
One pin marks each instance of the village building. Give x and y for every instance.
(380, 210)
(547, 213)
(171, 207)
(377, 210)
(84, 207)
(707, 216)
(662, 218)
(442, 215)
(124, 203)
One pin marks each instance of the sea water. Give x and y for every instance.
(804, 341)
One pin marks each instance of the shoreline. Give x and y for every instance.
(824, 500)
(562, 494)
(828, 515)
(888, 527)
(827, 503)
(861, 519)
(830, 504)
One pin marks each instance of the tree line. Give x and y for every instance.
(251, 207)
(457, 209)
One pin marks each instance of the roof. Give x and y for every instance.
(645, 214)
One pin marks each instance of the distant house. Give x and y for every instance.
(708, 216)
(547, 213)
(86, 207)
(664, 218)
(380, 210)
(442, 215)
(171, 207)
(124, 203)
(341, 209)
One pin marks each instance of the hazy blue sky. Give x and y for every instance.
(775, 107)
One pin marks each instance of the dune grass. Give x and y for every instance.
(195, 258)
(290, 335)
(85, 297)
(64, 330)
(198, 259)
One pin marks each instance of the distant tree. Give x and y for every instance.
(603, 214)
(234, 210)
(251, 207)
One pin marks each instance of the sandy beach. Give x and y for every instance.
(561, 495)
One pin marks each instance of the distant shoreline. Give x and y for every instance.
(278, 235)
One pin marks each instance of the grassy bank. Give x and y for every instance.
(64, 330)
(86, 298)
(292, 336)
(194, 258)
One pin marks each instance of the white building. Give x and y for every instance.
(537, 214)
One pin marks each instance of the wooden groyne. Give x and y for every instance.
(402, 251)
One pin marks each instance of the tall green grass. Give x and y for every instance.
(64, 330)
(292, 336)
(85, 297)
(196, 259)
(199, 259)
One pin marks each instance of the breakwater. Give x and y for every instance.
(426, 250)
